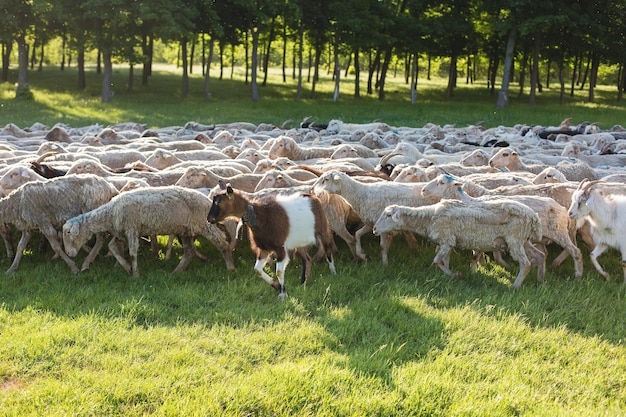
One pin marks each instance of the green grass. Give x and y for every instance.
(375, 340)
(159, 104)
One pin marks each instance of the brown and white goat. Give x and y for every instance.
(277, 224)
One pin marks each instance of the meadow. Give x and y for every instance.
(374, 340)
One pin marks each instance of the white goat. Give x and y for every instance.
(604, 206)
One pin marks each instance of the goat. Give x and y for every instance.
(603, 205)
(277, 224)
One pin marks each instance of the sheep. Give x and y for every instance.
(154, 179)
(353, 151)
(411, 173)
(477, 157)
(602, 204)
(46, 205)
(478, 225)
(277, 225)
(168, 210)
(556, 225)
(510, 159)
(16, 176)
(550, 175)
(289, 148)
(369, 200)
(162, 158)
(202, 177)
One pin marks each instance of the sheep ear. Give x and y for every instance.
(75, 229)
(514, 153)
(336, 177)
(222, 184)
(395, 216)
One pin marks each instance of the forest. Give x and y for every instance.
(577, 43)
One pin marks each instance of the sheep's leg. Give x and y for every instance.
(357, 236)
(569, 249)
(168, 247)
(93, 252)
(497, 256)
(385, 244)
(154, 246)
(117, 254)
(595, 253)
(219, 239)
(133, 250)
(21, 246)
(537, 256)
(341, 231)
(188, 252)
(7, 237)
(442, 260)
(519, 254)
(56, 247)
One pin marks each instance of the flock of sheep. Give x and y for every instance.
(511, 190)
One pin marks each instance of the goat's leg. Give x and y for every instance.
(595, 253)
(306, 265)
(282, 259)
(21, 246)
(261, 260)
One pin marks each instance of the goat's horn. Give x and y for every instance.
(387, 157)
(44, 156)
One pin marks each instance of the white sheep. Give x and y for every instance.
(478, 225)
(556, 225)
(287, 147)
(202, 177)
(46, 205)
(169, 210)
(369, 200)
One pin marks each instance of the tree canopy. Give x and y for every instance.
(568, 38)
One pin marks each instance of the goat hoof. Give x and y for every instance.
(281, 296)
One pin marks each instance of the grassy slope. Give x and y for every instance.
(373, 340)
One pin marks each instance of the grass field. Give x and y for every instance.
(374, 340)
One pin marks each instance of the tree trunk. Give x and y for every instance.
(414, 78)
(207, 71)
(247, 66)
(192, 54)
(383, 74)
(534, 73)
(7, 48)
(221, 43)
(80, 59)
(593, 76)
(300, 45)
(357, 75)
(336, 65)
(522, 74)
(622, 83)
(41, 55)
(266, 58)
(147, 53)
(184, 92)
(131, 73)
(107, 78)
(574, 75)
(22, 74)
(503, 94)
(584, 79)
(255, 64)
(63, 41)
(284, 53)
(316, 68)
(371, 71)
(561, 83)
(451, 77)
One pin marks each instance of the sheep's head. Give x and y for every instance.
(443, 186)
(74, 237)
(503, 158)
(282, 146)
(388, 220)
(330, 182)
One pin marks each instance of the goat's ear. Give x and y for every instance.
(589, 201)
(229, 190)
